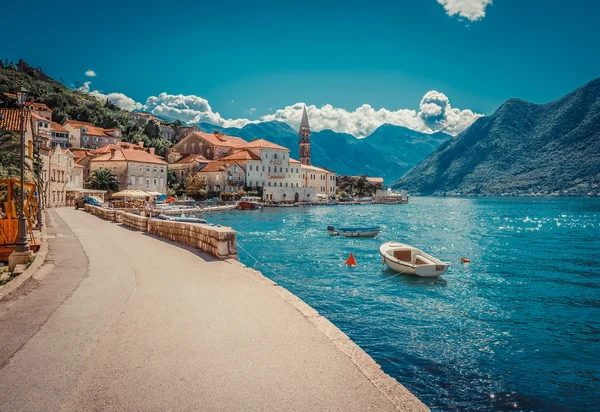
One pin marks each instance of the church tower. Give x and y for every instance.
(304, 139)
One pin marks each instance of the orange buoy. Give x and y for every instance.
(351, 261)
(465, 260)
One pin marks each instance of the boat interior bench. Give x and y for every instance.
(406, 256)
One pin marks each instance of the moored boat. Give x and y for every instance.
(182, 219)
(249, 203)
(354, 231)
(403, 258)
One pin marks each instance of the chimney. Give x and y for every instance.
(112, 151)
(151, 150)
(141, 144)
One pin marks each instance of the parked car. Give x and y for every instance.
(82, 201)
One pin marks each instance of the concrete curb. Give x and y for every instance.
(40, 259)
(396, 393)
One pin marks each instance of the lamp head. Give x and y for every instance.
(21, 96)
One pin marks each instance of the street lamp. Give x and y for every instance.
(21, 245)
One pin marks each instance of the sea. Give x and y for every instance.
(517, 328)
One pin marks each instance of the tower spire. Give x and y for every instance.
(304, 134)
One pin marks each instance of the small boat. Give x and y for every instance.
(182, 219)
(249, 203)
(408, 259)
(354, 231)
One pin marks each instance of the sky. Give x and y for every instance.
(430, 65)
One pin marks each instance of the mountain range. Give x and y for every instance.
(521, 149)
(389, 152)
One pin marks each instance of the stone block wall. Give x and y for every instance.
(218, 241)
(135, 221)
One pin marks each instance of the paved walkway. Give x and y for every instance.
(125, 321)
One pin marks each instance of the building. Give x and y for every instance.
(56, 176)
(134, 166)
(40, 109)
(83, 157)
(10, 119)
(59, 136)
(304, 134)
(223, 176)
(86, 135)
(184, 165)
(168, 132)
(213, 146)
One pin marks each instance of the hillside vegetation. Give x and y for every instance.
(522, 149)
(69, 104)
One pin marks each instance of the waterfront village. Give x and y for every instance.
(74, 153)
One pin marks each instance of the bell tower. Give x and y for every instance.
(304, 139)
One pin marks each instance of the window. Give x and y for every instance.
(269, 183)
(280, 184)
(281, 169)
(141, 180)
(147, 183)
(181, 174)
(141, 169)
(95, 139)
(85, 138)
(250, 167)
(269, 168)
(286, 185)
(162, 169)
(155, 169)
(275, 156)
(132, 180)
(155, 182)
(147, 169)
(286, 169)
(263, 168)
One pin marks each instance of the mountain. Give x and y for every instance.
(523, 148)
(388, 152)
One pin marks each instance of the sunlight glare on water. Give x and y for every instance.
(518, 328)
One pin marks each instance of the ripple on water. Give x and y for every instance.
(516, 329)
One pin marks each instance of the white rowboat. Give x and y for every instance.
(408, 259)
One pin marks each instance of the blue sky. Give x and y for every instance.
(267, 55)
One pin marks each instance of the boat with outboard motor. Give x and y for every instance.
(410, 260)
(354, 231)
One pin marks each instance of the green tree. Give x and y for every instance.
(102, 179)
(361, 184)
(346, 184)
(10, 154)
(195, 185)
(171, 178)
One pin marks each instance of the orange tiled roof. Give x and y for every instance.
(294, 161)
(215, 167)
(37, 116)
(191, 158)
(130, 155)
(92, 130)
(242, 155)
(78, 165)
(58, 128)
(10, 119)
(38, 106)
(315, 169)
(263, 144)
(124, 145)
(218, 139)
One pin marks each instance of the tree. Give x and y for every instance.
(361, 184)
(195, 185)
(171, 178)
(102, 179)
(152, 130)
(346, 183)
(10, 154)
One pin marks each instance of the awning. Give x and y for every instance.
(130, 193)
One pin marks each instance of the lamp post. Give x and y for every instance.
(39, 185)
(21, 245)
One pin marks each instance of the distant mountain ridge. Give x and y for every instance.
(521, 149)
(388, 152)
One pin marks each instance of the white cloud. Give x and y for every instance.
(119, 99)
(470, 9)
(90, 73)
(252, 109)
(435, 113)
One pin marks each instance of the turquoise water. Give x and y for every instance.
(516, 329)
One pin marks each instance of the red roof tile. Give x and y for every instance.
(38, 106)
(130, 155)
(242, 155)
(10, 119)
(58, 128)
(218, 139)
(263, 144)
(191, 158)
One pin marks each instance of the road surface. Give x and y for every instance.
(124, 321)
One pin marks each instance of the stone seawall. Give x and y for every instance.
(135, 221)
(218, 241)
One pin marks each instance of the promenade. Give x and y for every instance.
(123, 321)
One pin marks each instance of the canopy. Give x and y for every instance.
(130, 193)
(155, 194)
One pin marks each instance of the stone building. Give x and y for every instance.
(134, 166)
(56, 176)
(224, 176)
(213, 146)
(184, 165)
(86, 135)
(40, 109)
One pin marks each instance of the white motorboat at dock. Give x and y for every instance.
(403, 258)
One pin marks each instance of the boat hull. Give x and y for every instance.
(354, 232)
(248, 205)
(427, 267)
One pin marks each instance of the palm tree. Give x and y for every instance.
(345, 183)
(102, 179)
(361, 184)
